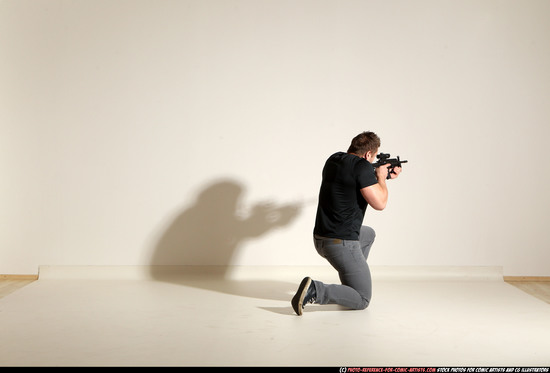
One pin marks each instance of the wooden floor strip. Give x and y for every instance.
(18, 277)
(527, 278)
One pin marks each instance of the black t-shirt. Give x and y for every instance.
(341, 206)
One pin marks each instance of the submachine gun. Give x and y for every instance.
(384, 158)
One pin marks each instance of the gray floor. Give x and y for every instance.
(86, 317)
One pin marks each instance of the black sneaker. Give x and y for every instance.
(305, 294)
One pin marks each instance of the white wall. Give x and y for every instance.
(139, 132)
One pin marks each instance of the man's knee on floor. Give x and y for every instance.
(363, 305)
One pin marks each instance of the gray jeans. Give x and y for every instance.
(349, 258)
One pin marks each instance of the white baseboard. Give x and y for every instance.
(324, 273)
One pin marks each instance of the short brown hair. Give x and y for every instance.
(364, 142)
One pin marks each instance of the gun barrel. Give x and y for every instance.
(389, 161)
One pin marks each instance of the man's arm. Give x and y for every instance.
(377, 195)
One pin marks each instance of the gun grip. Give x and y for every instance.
(390, 171)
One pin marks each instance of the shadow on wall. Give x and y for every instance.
(209, 232)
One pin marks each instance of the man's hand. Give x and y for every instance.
(382, 172)
(396, 171)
